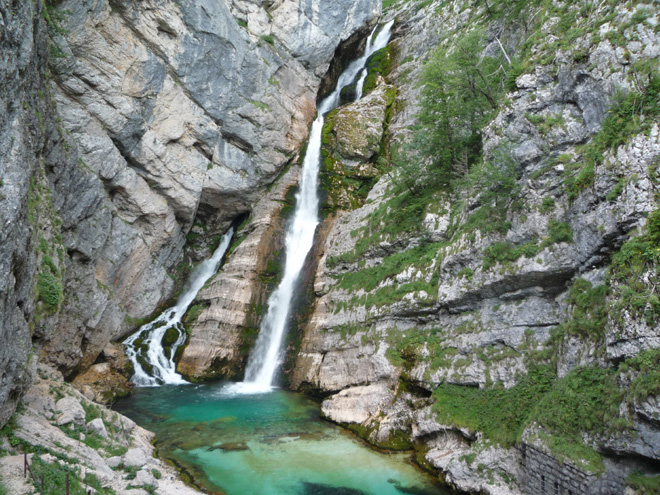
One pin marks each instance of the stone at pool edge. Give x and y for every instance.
(230, 447)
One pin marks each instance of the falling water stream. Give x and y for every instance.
(145, 346)
(236, 439)
(266, 355)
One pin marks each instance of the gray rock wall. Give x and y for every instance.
(545, 475)
(23, 43)
(466, 323)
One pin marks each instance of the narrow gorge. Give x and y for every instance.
(310, 244)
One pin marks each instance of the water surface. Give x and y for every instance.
(267, 444)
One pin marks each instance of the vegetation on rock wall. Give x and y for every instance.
(635, 274)
(441, 169)
(458, 98)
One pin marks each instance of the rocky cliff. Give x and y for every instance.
(484, 285)
(125, 125)
(498, 315)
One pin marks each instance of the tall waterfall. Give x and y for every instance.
(147, 341)
(266, 355)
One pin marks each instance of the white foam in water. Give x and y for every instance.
(163, 367)
(266, 355)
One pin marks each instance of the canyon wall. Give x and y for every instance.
(472, 322)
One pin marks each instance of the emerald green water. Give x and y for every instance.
(267, 444)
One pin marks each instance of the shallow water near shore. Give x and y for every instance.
(268, 444)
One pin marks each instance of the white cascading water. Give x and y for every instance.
(163, 370)
(265, 357)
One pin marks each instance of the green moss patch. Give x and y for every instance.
(378, 65)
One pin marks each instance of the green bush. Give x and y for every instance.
(50, 290)
(647, 379)
(55, 477)
(636, 270)
(588, 312)
(559, 232)
(644, 484)
(500, 414)
(505, 252)
(547, 205)
(586, 400)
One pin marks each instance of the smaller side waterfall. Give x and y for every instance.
(145, 346)
(266, 355)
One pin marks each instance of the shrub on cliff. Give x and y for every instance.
(460, 94)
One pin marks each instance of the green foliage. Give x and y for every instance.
(379, 64)
(459, 97)
(404, 348)
(156, 473)
(268, 38)
(575, 183)
(500, 414)
(629, 115)
(646, 382)
(242, 23)
(636, 271)
(260, 105)
(616, 190)
(547, 205)
(558, 232)
(505, 252)
(644, 484)
(92, 411)
(588, 312)
(387, 4)
(54, 17)
(496, 183)
(49, 284)
(633, 112)
(55, 477)
(369, 278)
(192, 315)
(586, 400)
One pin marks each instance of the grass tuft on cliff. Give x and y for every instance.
(500, 414)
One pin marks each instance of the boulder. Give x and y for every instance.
(135, 457)
(97, 426)
(72, 412)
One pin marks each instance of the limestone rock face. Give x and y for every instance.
(408, 310)
(352, 136)
(36, 425)
(356, 404)
(309, 30)
(23, 45)
(155, 115)
(222, 334)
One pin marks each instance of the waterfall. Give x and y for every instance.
(146, 343)
(266, 355)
